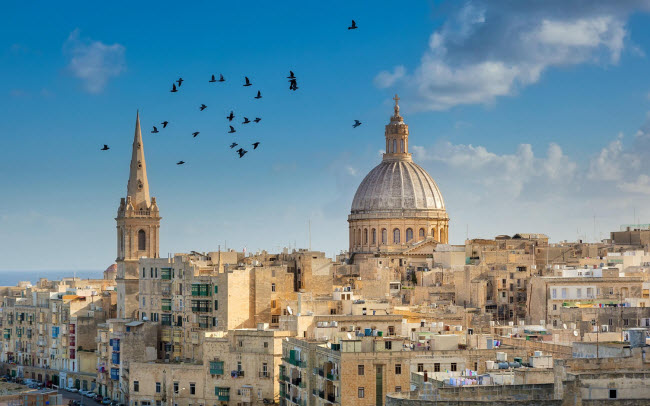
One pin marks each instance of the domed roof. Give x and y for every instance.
(397, 185)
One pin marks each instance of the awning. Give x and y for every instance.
(134, 323)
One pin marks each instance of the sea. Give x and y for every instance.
(11, 278)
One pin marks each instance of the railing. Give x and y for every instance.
(264, 374)
(332, 377)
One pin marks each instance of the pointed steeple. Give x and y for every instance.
(138, 187)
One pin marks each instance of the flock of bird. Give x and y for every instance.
(293, 86)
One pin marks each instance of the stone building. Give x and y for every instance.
(398, 203)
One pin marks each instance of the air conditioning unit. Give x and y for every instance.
(604, 328)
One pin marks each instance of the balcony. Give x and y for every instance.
(264, 374)
(332, 377)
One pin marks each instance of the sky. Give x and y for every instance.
(532, 116)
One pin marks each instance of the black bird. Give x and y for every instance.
(213, 79)
(232, 130)
(353, 26)
(221, 79)
(255, 144)
(233, 145)
(259, 95)
(203, 107)
(246, 120)
(257, 119)
(180, 162)
(356, 124)
(291, 75)
(106, 148)
(173, 89)
(155, 130)
(241, 152)
(248, 82)
(164, 123)
(195, 134)
(231, 116)
(180, 80)
(293, 84)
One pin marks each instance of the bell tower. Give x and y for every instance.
(397, 137)
(138, 224)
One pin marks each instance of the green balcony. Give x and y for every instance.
(222, 394)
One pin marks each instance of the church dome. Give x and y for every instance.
(397, 185)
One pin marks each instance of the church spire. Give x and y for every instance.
(137, 190)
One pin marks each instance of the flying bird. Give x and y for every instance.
(291, 75)
(106, 148)
(203, 107)
(241, 152)
(180, 162)
(195, 134)
(233, 145)
(164, 124)
(180, 82)
(353, 26)
(232, 130)
(231, 116)
(213, 79)
(356, 124)
(255, 144)
(246, 120)
(257, 119)
(173, 88)
(248, 82)
(293, 84)
(155, 130)
(221, 79)
(259, 95)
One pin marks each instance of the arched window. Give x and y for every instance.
(384, 236)
(365, 236)
(433, 234)
(409, 234)
(394, 146)
(142, 240)
(374, 236)
(359, 237)
(422, 232)
(401, 146)
(120, 236)
(396, 239)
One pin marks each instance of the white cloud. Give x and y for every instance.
(94, 62)
(487, 49)
(386, 79)
(640, 185)
(509, 173)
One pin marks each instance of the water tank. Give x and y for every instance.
(368, 332)
(514, 365)
(503, 365)
(489, 364)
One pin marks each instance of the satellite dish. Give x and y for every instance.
(575, 333)
(286, 339)
(564, 326)
(349, 336)
(289, 310)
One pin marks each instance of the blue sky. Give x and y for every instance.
(531, 116)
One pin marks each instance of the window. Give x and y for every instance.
(216, 305)
(394, 146)
(420, 367)
(453, 367)
(436, 367)
(384, 236)
(611, 291)
(578, 293)
(563, 293)
(273, 304)
(590, 292)
(398, 369)
(192, 388)
(361, 392)
(554, 307)
(626, 322)
(136, 386)
(396, 236)
(374, 236)
(142, 240)
(433, 233)
(398, 389)
(365, 236)
(273, 287)
(401, 146)
(554, 293)
(275, 319)
(157, 387)
(176, 387)
(360, 370)
(409, 234)
(422, 235)
(612, 393)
